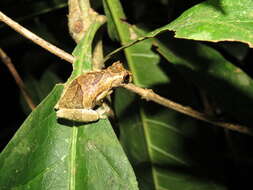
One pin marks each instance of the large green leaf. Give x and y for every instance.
(47, 153)
(227, 85)
(163, 145)
(219, 20)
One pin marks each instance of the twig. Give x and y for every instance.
(36, 39)
(7, 61)
(150, 95)
(144, 93)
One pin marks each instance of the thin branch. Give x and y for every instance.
(36, 39)
(150, 95)
(7, 61)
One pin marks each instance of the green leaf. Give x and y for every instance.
(111, 28)
(47, 153)
(162, 144)
(83, 52)
(211, 72)
(116, 21)
(220, 20)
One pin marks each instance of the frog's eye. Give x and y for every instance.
(127, 78)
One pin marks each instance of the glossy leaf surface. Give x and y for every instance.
(45, 154)
(219, 20)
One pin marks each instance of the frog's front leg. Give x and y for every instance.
(81, 115)
(104, 111)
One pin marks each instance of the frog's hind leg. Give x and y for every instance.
(81, 115)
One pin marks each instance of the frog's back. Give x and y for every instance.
(82, 93)
(91, 85)
(72, 97)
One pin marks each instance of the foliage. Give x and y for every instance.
(196, 53)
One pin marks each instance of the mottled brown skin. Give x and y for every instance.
(89, 89)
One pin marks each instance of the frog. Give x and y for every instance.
(83, 98)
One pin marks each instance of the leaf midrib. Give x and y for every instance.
(73, 158)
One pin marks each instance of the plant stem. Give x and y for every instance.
(148, 94)
(7, 61)
(36, 39)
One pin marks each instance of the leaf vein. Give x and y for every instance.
(165, 126)
(168, 155)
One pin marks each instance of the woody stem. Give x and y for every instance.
(36, 39)
(7, 61)
(150, 95)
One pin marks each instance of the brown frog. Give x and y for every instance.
(87, 91)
